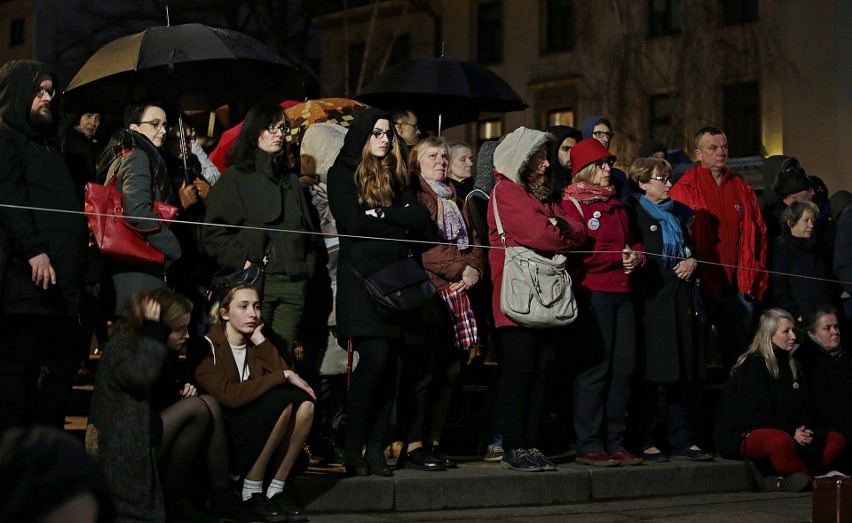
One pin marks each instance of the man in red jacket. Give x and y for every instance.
(730, 235)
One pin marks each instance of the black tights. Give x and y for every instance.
(371, 394)
(190, 424)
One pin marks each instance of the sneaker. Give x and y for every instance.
(597, 459)
(795, 482)
(284, 502)
(626, 458)
(537, 457)
(519, 459)
(259, 504)
(494, 454)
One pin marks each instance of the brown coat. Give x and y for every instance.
(445, 263)
(216, 370)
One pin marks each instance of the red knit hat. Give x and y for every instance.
(587, 152)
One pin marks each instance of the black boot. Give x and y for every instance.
(375, 458)
(354, 462)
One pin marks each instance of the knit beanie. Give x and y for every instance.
(586, 153)
(484, 180)
(515, 150)
(792, 182)
(322, 143)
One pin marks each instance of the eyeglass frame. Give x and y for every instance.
(663, 179)
(608, 134)
(414, 125)
(377, 134)
(271, 128)
(608, 161)
(158, 124)
(41, 91)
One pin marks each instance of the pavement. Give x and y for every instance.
(481, 491)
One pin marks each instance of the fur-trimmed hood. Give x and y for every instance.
(515, 150)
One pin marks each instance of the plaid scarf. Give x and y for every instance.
(461, 312)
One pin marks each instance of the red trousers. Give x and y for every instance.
(780, 449)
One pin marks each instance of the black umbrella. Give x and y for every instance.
(442, 91)
(207, 66)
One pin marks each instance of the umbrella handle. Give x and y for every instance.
(181, 137)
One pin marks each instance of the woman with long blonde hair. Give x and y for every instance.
(377, 211)
(765, 412)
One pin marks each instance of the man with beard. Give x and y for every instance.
(43, 239)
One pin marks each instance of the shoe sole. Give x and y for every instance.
(687, 458)
(493, 459)
(423, 468)
(507, 465)
(612, 463)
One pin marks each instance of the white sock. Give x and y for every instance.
(275, 487)
(251, 487)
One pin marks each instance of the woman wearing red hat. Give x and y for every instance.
(606, 330)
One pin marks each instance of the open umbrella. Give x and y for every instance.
(442, 92)
(331, 110)
(207, 67)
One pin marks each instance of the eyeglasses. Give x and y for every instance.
(414, 125)
(609, 162)
(601, 134)
(41, 91)
(378, 133)
(271, 128)
(158, 124)
(662, 179)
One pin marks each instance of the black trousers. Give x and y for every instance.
(371, 393)
(39, 356)
(527, 354)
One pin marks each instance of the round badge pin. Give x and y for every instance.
(594, 224)
(654, 228)
(596, 214)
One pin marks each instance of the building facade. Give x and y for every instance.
(774, 74)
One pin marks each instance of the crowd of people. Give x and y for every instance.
(662, 259)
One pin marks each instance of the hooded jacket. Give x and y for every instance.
(525, 219)
(362, 255)
(560, 176)
(33, 173)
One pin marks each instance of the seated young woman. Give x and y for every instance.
(268, 408)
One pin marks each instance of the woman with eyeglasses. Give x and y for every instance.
(259, 193)
(374, 203)
(605, 331)
(142, 177)
(664, 290)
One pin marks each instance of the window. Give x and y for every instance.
(491, 129)
(560, 117)
(739, 11)
(664, 17)
(558, 29)
(489, 33)
(742, 119)
(661, 108)
(16, 32)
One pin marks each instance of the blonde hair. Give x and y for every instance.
(419, 151)
(643, 168)
(224, 302)
(584, 174)
(374, 175)
(173, 306)
(762, 343)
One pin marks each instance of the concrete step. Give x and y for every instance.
(479, 484)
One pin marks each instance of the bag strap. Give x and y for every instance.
(497, 215)
(578, 206)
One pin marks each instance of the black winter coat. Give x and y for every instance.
(667, 319)
(830, 381)
(798, 257)
(753, 399)
(33, 173)
(406, 218)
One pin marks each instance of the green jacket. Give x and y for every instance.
(254, 199)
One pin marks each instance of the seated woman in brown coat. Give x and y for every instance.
(268, 408)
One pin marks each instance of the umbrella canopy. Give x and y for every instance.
(209, 67)
(330, 110)
(456, 90)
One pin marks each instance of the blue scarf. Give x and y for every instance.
(670, 227)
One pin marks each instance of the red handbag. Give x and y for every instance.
(113, 235)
